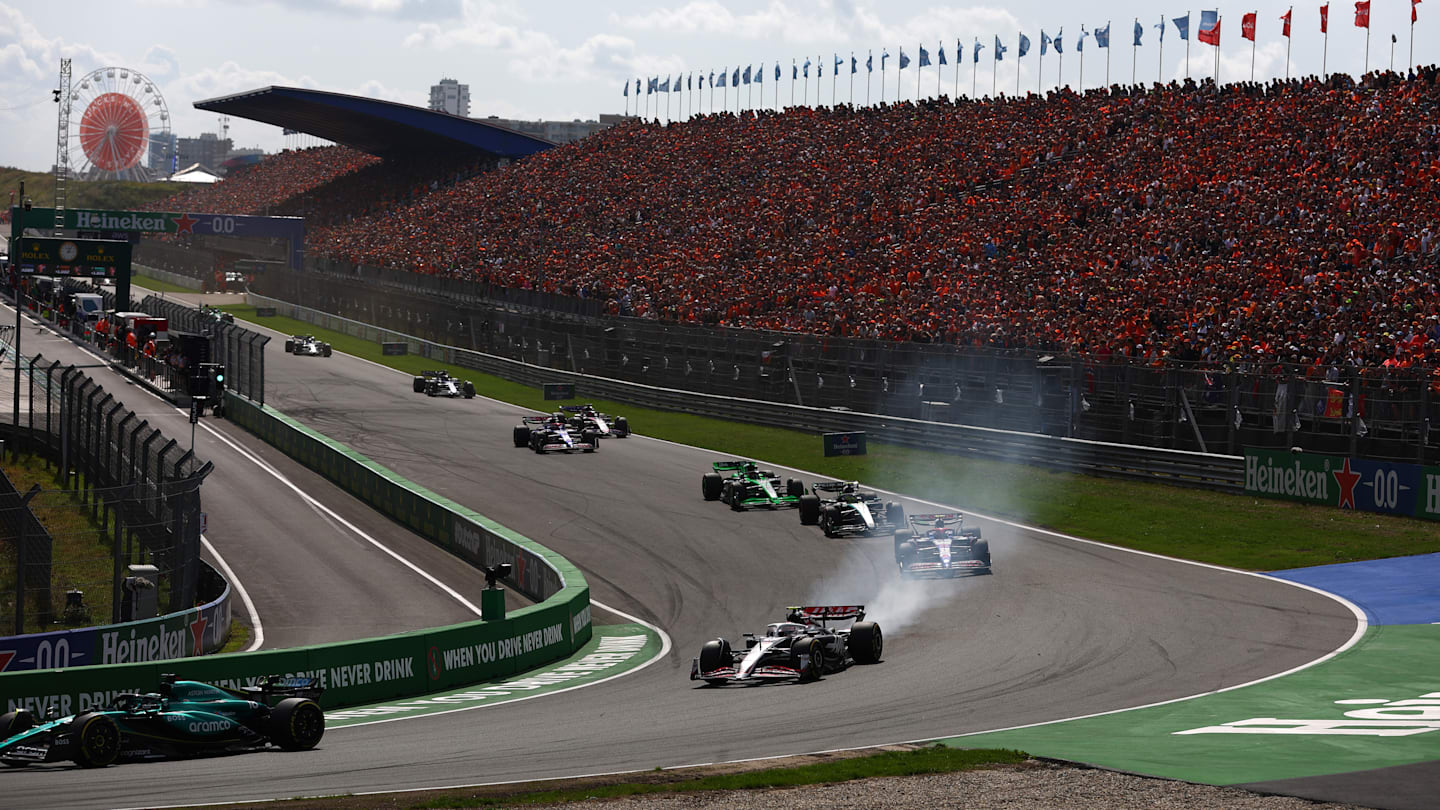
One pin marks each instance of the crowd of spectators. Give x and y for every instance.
(266, 185)
(1293, 221)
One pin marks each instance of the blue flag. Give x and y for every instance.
(1045, 41)
(735, 80)
(1024, 47)
(1139, 32)
(712, 80)
(1182, 24)
(924, 57)
(1059, 49)
(794, 70)
(839, 60)
(978, 48)
(819, 68)
(746, 76)
(760, 74)
(1102, 36)
(1161, 26)
(1080, 43)
(665, 88)
(884, 54)
(854, 65)
(626, 92)
(723, 73)
(999, 50)
(904, 60)
(870, 62)
(805, 68)
(690, 82)
(777, 71)
(941, 50)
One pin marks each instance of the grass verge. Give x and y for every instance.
(155, 284)
(239, 638)
(1232, 530)
(816, 769)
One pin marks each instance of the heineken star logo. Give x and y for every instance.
(6, 656)
(185, 224)
(1347, 481)
(197, 630)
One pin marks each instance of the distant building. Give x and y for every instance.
(450, 96)
(559, 131)
(163, 156)
(209, 150)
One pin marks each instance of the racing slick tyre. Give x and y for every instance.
(828, 516)
(794, 488)
(622, 426)
(468, 390)
(289, 347)
(591, 438)
(865, 643)
(812, 654)
(809, 510)
(737, 499)
(325, 350)
(902, 536)
(95, 740)
(297, 724)
(522, 436)
(981, 552)
(12, 723)
(895, 514)
(726, 490)
(714, 655)
(419, 385)
(904, 555)
(710, 486)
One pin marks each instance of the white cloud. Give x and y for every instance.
(826, 22)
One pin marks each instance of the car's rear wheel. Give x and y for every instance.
(809, 510)
(794, 488)
(714, 655)
(895, 514)
(812, 651)
(866, 643)
(591, 438)
(622, 426)
(96, 740)
(711, 485)
(468, 389)
(419, 385)
(297, 724)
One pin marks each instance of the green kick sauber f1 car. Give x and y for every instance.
(748, 485)
(184, 718)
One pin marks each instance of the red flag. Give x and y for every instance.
(1247, 26)
(1413, 4)
(1362, 13)
(1286, 20)
(1211, 37)
(1324, 18)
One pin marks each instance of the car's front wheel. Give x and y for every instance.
(866, 643)
(96, 740)
(809, 650)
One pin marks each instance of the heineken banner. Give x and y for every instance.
(113, 223)
(1349, 483)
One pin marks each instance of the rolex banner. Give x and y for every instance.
(1349, 483)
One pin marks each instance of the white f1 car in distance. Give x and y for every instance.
(441, 384)
(802, 648)
(307, 346)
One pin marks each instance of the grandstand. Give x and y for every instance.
(1291, 222)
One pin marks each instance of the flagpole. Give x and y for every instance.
(869, 72)
(1040, 67)
(1081, 42)
(1324, 53)
(1412, 40)
(1017, 67)
(918, 71)
(882, 78)
(834, 77)
(1218, 20)
(959, 57)
(974, 69)
(897, 74)
(1134, 56)
(1187, 43)
(1392, 53)
(852, 79)
(1252, 52)
(1107, 52)
(1160, 62)
(994, 75)
(1367, 48)
(792, 81)
(1287, 45)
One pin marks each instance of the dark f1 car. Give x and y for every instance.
(544, 434)
(841, 508)
(441, 384)
(801, 648)
(940, 546)
(748, 485)
(586, 417)
(307, 345)
(183, 718)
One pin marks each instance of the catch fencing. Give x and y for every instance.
(1379, 413)
(241, 350)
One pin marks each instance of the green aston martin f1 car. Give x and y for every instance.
(748, 485)
(183, 718)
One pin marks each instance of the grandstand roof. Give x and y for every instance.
(371, 125)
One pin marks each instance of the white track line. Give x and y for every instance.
(259, 638)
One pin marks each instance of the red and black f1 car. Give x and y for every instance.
(940, 546)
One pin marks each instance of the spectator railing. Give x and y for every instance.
(1183, 468)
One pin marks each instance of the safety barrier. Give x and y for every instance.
(376, 669)
(1178, 467)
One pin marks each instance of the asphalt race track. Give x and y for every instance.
(1062, 628)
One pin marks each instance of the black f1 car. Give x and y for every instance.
(441, 384)
(841, 508)
(940, 546)
(748, 485)
(586, 417)
(307, 345)
(183, 718)
(554, 432)
(801, 648)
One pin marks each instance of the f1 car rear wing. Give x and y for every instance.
(728, 466)
(289, 686)
(534, 420)
(819, 614)
(577, 408)
(954, 521)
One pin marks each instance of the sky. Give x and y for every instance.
(566, 60)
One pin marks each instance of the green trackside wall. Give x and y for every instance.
(376, 669)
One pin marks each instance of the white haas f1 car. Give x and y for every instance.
(307, 346)
(940, 546)
(842, 508)
(545, 434)
(441, 384)
(586, 417)
(801, 648)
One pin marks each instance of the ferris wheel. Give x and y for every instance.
(119, 127)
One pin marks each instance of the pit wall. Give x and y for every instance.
(369, 670)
